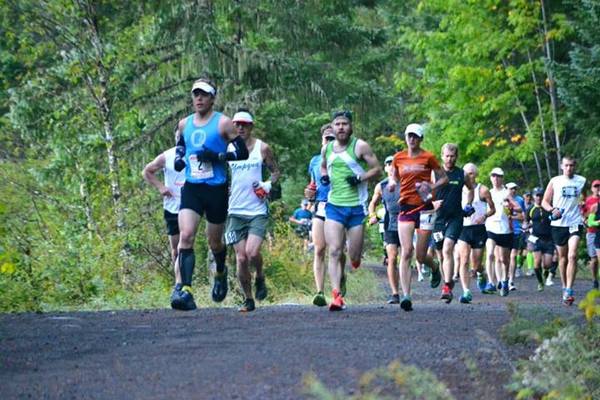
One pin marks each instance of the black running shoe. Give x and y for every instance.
(219, 290)
(260, 289)
(176, 297)
(436, 278)
(393, 299)
(406, 303)
(185, 301)
(247, 306)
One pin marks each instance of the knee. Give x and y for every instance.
(186, 239)
(241, 258)
(407, 252)
(335, 252)
(215, 243)
(320, 252)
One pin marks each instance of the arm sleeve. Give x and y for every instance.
(240, 151)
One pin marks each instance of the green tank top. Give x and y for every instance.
(341, 166)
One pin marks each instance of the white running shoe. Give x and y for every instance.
(549, 280)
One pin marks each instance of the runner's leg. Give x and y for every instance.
(334, 238)
(572, 261)
(406, 231)
(318, 226)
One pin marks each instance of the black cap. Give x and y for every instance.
(538, 191)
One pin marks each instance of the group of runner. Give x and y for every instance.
(419, 194)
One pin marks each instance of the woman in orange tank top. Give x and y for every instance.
(412, 169)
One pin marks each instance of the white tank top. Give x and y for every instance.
(242, 199)
(567, 192)
(479, 205)
(173, 181)
(498, 223)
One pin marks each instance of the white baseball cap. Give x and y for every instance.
(244, 117)
(205, 87)
(416, 129)
(497, 171)
(511, 185)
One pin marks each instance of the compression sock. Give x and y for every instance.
(538, 275)
(554, 267)
(530, 260)
(220, 259)
(187, 259)
(519, 261)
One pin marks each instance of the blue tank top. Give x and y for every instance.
(314, 169)
(206, 136)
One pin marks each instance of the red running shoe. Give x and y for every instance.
(337, 304)
(447, 293)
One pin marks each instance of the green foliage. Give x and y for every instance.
(522, 329)
(395, 381)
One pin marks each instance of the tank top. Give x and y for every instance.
(392, 208)
(242, 199)
(567, 192)
(479, 205)
(499, 222)
(207, 136)
(451, 193)
(339, 167)
(314, 169)
(173, 181)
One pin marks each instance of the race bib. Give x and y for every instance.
(574, 229)
(426, 220)
(200, 169)
(532, 239)
(438, 236)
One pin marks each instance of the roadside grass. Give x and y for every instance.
(393, 381)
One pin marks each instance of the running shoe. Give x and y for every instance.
(529, 272)
(436, 278)
(511, 286)
(518, 272)
(319, 300)
(568, 297)
(406, 303)
(490, 288)
(549, 281)
(260, 289)
(595, 284)
(393, 299)
(219, 290)
(176, 296)
(455, 278)
(499, 285)
(504, 291)
(467, 297)
(247, 306)
(447, 293)
(425, 271)
(540, 287)
(481, 282)
(185, 301)
(343, 284)
(420, 277)
(337, 304)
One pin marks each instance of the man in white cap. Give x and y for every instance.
(202, 149)
(248, 213)
(499, 232)
(518, 245)
(562, 197)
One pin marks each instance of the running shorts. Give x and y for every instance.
(207, 200)
(561, 234)
(172, 223)
(447, 228)
(503, 240)
(238, 227)
(474, 235)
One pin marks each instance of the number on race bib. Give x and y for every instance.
(438, 236)
(532, 239)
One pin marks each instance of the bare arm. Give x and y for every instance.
(470, 184)
(374, 202)
(324, 161)
(363, 150)
(440, 179)
(149, 174)
(486, 195)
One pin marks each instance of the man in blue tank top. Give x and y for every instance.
(202, 150)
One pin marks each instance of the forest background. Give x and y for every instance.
(91, 91)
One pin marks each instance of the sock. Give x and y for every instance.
(519, 261)
(538, 275)
(530, 260)
(187, 259)
(554, 267)
(220, 259)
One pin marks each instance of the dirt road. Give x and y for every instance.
(219, 353)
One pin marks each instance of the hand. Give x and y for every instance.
(325, 181)
(164, 191)
(424, 191)
(437, 204)
(209, 155)
(556, 214)
(373, 220)
(468, 210)
(354, 180)
(179, 163)
(310, 191)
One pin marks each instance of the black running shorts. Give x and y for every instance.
(474, 235)
(207, 200)
(172, 224)
(561, 234)
(503, 240)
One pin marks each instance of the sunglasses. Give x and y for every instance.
(598, 186)
(345, 113)
(497, 176)
(329, 138)
(198, 92)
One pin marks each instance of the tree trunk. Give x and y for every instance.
(551, 85)
(538, 169)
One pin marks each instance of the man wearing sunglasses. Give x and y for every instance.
(317, 192)
(347, 164)
(202, 150)
(248, 213)
(561, 199)
(590, 236)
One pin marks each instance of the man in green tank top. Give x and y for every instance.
(347, 164)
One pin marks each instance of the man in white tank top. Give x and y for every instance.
(171, 192)
(562, 197)
(248, 213)
(471, 242)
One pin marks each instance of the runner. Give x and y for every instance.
(170, 190)
(248, 213)
(540, 237)
(527, 253)
(562, 200)
(591, 234)
(593, 221)
(473, 236)
(318, 192)
(301, 218)
(412, 168)
(391, 240)
(342, 168)
(518, 243)
(500, 237)
(202, 151)
(449, 215)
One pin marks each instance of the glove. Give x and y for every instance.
(262, 189)
(179, 163)
(353, 180)
(325, 180)
(468, 210)
(209, 155)
(424, 191)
